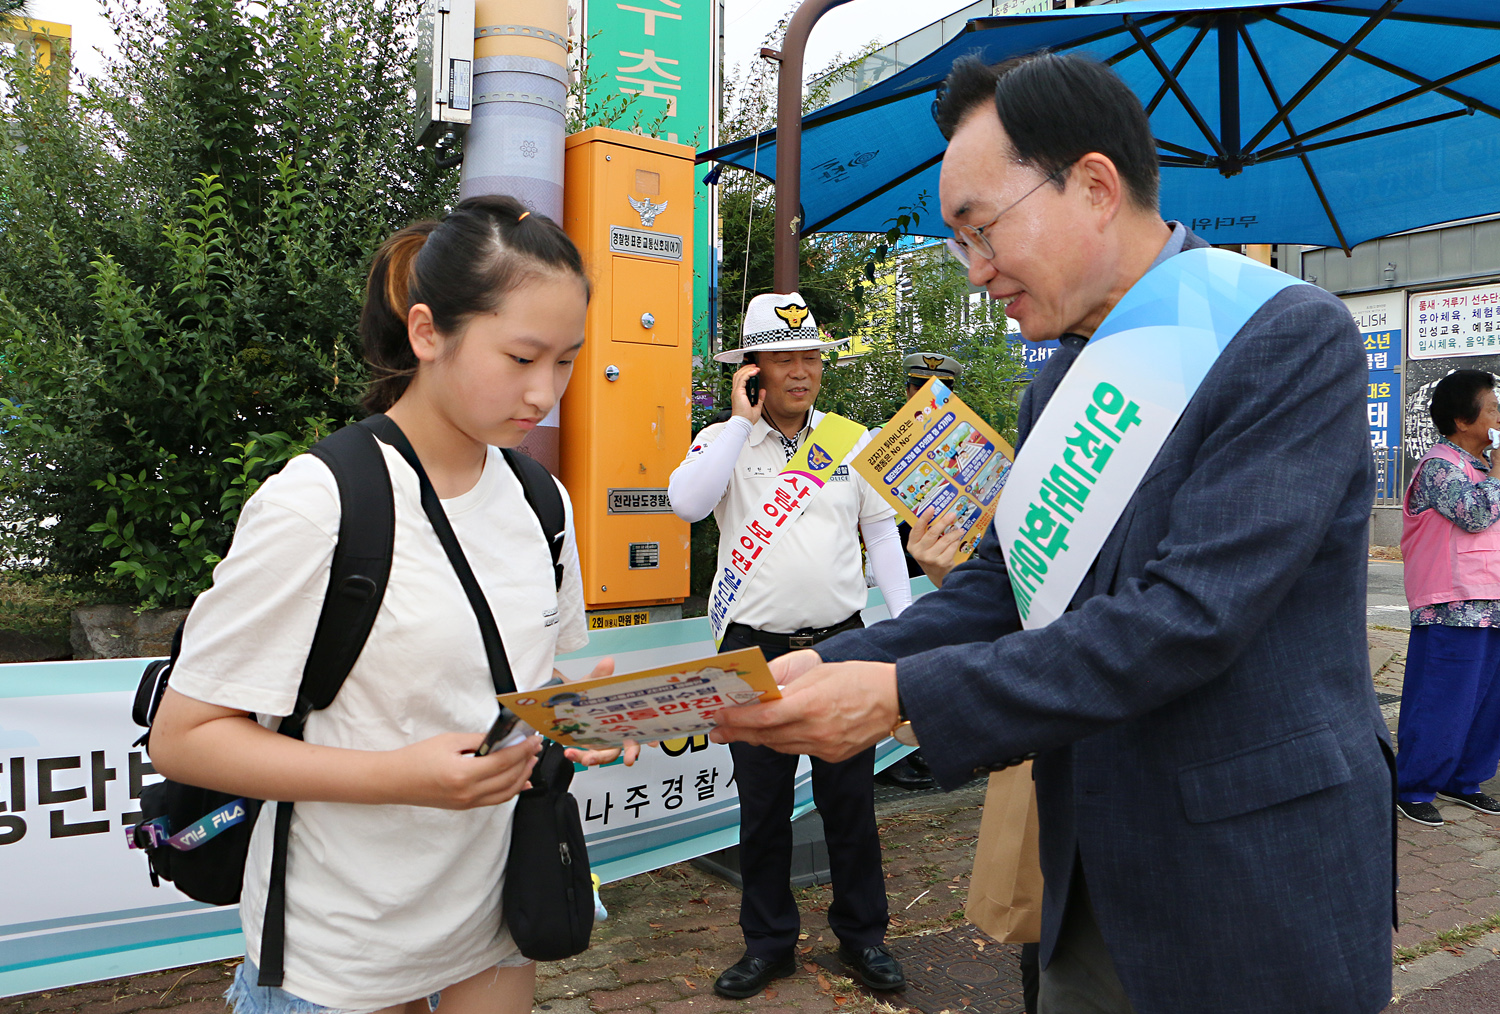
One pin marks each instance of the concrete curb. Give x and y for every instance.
(1429, 972)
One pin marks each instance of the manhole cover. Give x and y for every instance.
(973, 973)
(1388, 698)
(962, 970)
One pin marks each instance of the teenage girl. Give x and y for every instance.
(399, 837)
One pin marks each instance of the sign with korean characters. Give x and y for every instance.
(661, 54)
(1381, 320)
(77, 905)
(936, 455)
(1454, 322)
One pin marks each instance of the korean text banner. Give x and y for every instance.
(937, 455)
(77, 905)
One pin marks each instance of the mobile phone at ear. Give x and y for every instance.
(501, 733)
(752, 388)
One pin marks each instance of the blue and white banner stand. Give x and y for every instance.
(77, 905)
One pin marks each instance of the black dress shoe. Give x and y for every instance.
(874, 966)
(748, 976)
(905, 775)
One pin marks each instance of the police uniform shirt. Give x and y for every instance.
(814, 575)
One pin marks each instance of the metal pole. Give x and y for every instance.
(789, 143)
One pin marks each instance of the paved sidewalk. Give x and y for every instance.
(1450, 875)
(672, 931)
(668, 935)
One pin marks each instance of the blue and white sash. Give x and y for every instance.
(1093, 443)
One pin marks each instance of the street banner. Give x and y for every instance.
(77, 905)
(935, 455)
(1381, 319)
(1093, 443)
(803, 478)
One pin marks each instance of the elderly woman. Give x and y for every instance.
(1449, 730)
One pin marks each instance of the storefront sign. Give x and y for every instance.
(1454, 322)
(1381, 320)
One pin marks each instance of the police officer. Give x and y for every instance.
(807, 586)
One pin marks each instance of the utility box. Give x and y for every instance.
(626, 417)
(445, 68)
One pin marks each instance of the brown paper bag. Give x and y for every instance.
(1005, 892)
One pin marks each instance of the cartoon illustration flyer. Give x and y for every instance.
(937, 453)
(675, 700)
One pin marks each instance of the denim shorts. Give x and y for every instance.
(248, 998)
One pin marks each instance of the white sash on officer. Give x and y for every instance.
(798, 483)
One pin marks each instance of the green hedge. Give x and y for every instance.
(183, 245)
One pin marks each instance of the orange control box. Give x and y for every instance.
(626, 418)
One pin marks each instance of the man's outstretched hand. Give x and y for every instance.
(829, 711)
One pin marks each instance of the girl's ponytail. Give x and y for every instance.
(382, 324)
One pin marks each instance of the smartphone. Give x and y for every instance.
(499, 732)
(752, 388)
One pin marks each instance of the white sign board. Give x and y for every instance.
(1454, 322)
(77, 905)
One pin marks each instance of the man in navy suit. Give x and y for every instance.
(1213, 777)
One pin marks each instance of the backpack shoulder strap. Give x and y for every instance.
(356, 584)
(361, 562)
(546, 503)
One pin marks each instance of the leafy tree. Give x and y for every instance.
(880, 288)
(183, 243)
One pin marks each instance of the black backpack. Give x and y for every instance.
(199, 839)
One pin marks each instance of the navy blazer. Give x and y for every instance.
(1208, 743)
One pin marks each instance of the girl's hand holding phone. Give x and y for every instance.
(442, 772)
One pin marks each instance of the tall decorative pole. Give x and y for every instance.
(785, 249)
(515, 143)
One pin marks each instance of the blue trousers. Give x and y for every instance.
(1448, 734)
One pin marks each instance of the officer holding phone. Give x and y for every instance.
(806, 586)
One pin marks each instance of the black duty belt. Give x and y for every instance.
(804, 638)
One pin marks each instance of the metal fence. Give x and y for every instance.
(1388, 485)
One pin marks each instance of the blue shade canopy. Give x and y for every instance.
(1324, 122)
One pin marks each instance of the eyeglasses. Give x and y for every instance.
(970, 240)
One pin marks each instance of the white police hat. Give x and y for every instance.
(775, 322)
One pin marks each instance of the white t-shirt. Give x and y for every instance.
(385, 904)
(814, 575)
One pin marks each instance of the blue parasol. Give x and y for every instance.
(1324, 122)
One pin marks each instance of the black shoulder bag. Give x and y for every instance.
(548, 898)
